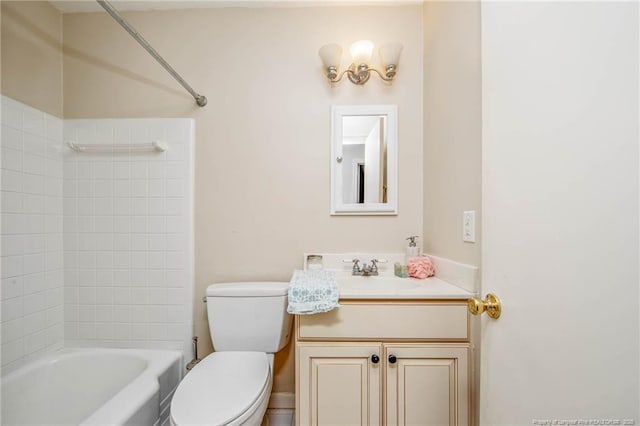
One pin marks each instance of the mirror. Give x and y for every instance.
(364, 159)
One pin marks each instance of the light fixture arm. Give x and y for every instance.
(386, 77)
(360, 75)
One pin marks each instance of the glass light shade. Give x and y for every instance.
(330, 54)
(390, 53)
(361, 51)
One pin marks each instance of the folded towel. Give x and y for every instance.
(312, 292)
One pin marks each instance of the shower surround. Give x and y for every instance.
(97, 248)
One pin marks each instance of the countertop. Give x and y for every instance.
(375, 288)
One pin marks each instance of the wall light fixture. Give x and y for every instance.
(360, 69)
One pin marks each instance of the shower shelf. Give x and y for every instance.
(156, 146)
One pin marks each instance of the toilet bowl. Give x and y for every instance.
(225, 388)
(232, 386)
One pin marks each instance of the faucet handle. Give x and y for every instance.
(356, 266)
(374, 264)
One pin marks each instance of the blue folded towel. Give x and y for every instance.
(312, 292)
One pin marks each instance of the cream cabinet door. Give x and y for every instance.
(427, 385)
(339, 384)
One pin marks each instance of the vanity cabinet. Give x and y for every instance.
(373, 362)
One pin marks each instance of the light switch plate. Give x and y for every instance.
(469, 226)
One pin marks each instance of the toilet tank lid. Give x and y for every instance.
(248, 289)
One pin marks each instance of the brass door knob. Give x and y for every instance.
(491, 304)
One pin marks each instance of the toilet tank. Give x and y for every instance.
(249, 316)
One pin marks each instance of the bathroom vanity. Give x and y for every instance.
(389, 355)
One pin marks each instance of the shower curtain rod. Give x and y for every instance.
(201, 100)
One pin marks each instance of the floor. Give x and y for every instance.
(279, 417)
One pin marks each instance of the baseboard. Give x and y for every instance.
(285, 400)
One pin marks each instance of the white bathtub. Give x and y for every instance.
(93, 387)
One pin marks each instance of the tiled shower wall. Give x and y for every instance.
(96, 248)
(32, 227)
(128, 235)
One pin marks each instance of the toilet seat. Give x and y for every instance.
(224, 388)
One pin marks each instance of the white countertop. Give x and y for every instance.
(375, 288)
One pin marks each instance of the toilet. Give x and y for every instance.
(249, 324)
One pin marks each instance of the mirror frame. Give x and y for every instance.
(338, 206)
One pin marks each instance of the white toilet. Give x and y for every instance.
(249, 324)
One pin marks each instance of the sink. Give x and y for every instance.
(376, 283)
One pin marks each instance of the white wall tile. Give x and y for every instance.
(12, 245)
(12, 330)
(34, 223)
(11, 159)
(105, 277)
(34, 302)
(104, 295)
(53, 205)
(12, 309)
(11, 180)
(139, 169)
(104, 260)
(11, 287)
(143, 223)
(34, 164)
(86, 296)
(176, 224)
(12, 351)
(12, 266)
(35, 342)
(33, 184)
(84, 237)
(104, 206)
(122, 260)
(34, 144)
(104, 188)
(34, 243)
(86, 330)
(122, 296)
(11, 201)
(34, 263)
(175, 187)
(34, 283)
(86, 313)
(34, 322)
(11, 137)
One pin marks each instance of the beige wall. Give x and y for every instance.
(452, 127)
(32, 54)
(262, 142)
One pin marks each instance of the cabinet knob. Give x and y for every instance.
(375, 359)
(392, 359)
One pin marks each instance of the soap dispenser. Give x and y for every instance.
(412, 249)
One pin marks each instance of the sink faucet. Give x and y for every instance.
(365, 270)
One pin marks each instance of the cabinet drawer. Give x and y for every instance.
(441, 320)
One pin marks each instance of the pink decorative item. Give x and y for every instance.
(420, 267)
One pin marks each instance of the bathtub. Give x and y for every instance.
(93, 387)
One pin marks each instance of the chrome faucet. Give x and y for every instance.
(365, 270)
